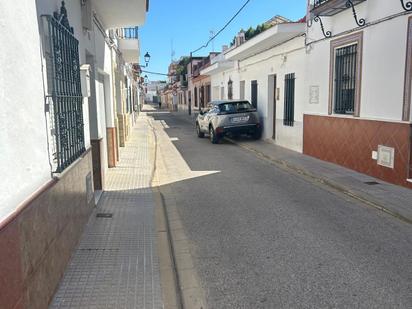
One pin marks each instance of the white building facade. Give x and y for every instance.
(267, 70)
(358, 65)
(64, 84)
(337, 88)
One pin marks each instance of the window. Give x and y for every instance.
(64, 94)
(345, 75)
(202, 96)
(289, 101)
(345, 79)
(230, 89)
(254, 92)
(208, 93)
(195, 95)
(236, 107)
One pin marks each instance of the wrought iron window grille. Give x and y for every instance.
(64, 99)
(289, 101)
(62, 18)
(345, 79)
(406, 5)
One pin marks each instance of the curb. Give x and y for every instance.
(184, 289)
(325, 181)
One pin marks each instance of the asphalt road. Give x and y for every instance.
(264, 238)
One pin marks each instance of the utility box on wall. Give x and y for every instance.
(85, 80)
(386, 156)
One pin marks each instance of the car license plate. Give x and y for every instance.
(239, 119)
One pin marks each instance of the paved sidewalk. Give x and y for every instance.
(387, 197)
(116, 264)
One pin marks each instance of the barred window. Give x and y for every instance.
(289, 100)
(345, 79)
(64, 93)
(254, 93)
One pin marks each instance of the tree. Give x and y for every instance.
(181, 69)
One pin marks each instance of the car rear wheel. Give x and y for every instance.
(200, 134)
(213, 137)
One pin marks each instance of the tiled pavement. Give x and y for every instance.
(116, 263)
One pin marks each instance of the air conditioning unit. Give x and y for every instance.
(87, 16)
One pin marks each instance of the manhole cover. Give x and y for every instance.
(371, 183)
(104, 215)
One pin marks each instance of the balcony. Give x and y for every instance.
(121, 13)
(330, 7)
(270, 38)
(128, 40)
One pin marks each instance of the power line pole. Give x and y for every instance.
(212, 34)
(188, 83)
(172, 52)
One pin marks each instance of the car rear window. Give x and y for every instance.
(235, 107)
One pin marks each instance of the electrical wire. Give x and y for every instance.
(210, 40)
(157, 73)
(224, 27)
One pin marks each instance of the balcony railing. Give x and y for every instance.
(331, 7)
(127, 33)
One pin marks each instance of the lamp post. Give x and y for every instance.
(147, 59)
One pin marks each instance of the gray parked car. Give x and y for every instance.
(232, 117)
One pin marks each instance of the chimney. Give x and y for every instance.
(240, 38)
(224, 48)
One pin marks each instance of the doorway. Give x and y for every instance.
(242, 90)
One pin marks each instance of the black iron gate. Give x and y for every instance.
(64, 88)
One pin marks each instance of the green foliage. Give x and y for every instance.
(182, 66)
(252, 32)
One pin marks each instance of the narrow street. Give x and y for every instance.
(127, 180)
(260, 237)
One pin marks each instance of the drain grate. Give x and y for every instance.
(104, 215)
(371, 183)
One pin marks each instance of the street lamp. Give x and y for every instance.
(147, 58)
(146, 79)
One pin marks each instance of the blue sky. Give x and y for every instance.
(188, 24)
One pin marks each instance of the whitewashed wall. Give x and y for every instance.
(261, 68)
(24, 160)
(383, 67)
